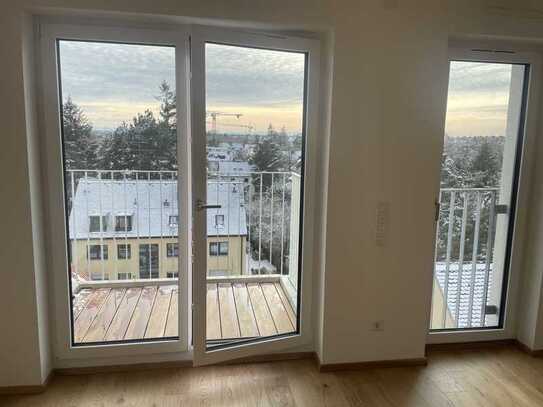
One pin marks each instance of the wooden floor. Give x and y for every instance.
(503, 377)
(234, 310)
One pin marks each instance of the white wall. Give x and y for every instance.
(24, 348)
(387, 113)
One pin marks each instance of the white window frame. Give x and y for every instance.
(201, 35)
(474, 51)
(49, 32)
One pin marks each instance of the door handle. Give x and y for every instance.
(200, 205)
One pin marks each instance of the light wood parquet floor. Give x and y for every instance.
(497, 377)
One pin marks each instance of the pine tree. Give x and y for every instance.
(79, 147)
(145, 143)
(267, 157)
(167, 105)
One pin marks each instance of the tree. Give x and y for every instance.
(167, 105)
(79, 146)
(266, 157)
(145, 143)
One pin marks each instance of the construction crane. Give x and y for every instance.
(214, 115)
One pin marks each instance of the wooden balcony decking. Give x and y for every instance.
(235, 310)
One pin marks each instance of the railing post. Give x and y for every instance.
(452, 204)
(260, 229)
(271, 221)
(489, 244)
(474, 257)
(461, 258)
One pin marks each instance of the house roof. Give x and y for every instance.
(229, 168)
(151, 204)
(467, 316)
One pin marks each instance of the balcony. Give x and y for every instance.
(123, 230)
(466, 288)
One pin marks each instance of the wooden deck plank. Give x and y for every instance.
(81, 302)
(286, 304)
(277, 309)
(246, 316)
(87, 315)
(213, 319)
(172, 324)
(98, 329)
(234, 310)
(159, 313)
(228, 313)
(120, 322)
(140, 318)
(264, 319)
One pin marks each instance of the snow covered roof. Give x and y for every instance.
(230, 167)
(153, 206)
(467, 316)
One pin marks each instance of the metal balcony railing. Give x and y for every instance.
(463, 269)
(123, 225)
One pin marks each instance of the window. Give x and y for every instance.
(124, 251)
(149, 260)
(124, 276)
(171, 274)
(172, 249)
(218, 249)
(98, 276)
(97, 252)
(94, 223)
(174, 220)
(219, 220)
(123, 223)
(217, 273)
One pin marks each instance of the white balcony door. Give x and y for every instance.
(474, 273)
(253, 101)
(115, 114)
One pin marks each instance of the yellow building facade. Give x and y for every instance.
(134, 258)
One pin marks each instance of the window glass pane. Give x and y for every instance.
(478, 183)
(255, 159)
(119, 141)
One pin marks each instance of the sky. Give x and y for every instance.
(114, 82)
(478, 99)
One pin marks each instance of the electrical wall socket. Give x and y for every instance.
(378, 325)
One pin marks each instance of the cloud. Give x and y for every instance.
(113, 82)
(478, 99)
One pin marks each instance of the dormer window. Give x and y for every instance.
(94, 223)
(123, 223)
(174, 220)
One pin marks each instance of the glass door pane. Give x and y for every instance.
(255, 164)
(119, 140)
(479, 177)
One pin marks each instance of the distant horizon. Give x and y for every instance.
(478, 98)
(112, 83)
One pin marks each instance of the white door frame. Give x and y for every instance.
(476, 52)
(201, 35)
(56, 234)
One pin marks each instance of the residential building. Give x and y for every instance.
(127, 229)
